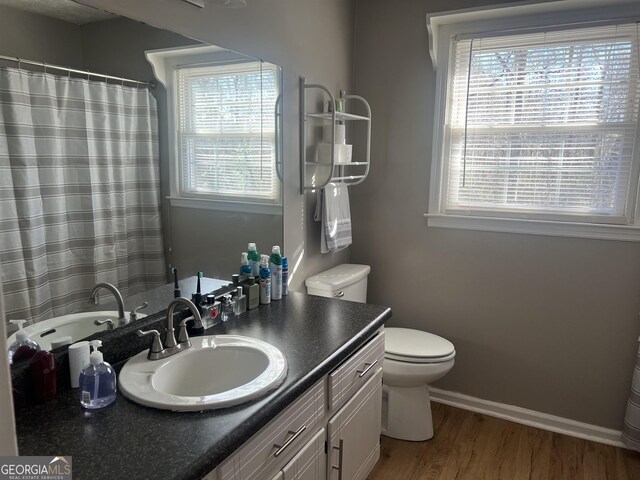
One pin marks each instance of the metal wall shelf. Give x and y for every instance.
(337, 172)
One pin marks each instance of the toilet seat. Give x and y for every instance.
(415, 346)
(400, 358)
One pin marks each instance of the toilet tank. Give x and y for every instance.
(347, 281)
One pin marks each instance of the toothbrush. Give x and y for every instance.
(197, 297)
(176, 287)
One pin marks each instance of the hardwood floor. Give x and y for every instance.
(470, 446)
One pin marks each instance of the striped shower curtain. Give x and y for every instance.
(79, 192)
(631, 427)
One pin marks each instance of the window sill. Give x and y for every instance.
(228, 206)
(627, 233)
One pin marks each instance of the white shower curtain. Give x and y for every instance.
(79, 192)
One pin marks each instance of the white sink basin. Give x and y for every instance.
(217, 371)
(75, 325)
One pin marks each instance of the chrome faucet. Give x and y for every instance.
(171, 346)
(122, 320)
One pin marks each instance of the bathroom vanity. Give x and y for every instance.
(322, 422)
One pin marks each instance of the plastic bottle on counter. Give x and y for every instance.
(245, 268)
(265, 280)
(23, 348)
(285, 276)
(252, 291)
(254, 259)
(79, 354)
(44, 380)
(275, 265)
(98, 384)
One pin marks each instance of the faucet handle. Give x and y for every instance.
(108, 321)
(133, 315)
(156, 344)
(183, 336)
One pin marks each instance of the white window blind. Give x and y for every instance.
(226, 131)
(544, 124)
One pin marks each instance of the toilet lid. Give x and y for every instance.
(415, 344)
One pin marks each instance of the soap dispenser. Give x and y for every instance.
(23, 348)
(98, 385)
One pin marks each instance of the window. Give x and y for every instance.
(226, 132)
(540, 131)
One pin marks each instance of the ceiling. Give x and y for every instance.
(66, 10)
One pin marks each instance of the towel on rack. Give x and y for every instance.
(332, 209)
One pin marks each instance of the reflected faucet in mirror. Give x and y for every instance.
(93, 298)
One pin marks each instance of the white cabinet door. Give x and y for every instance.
(354, 433)
(310, 463)
(279, 476)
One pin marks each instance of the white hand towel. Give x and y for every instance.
(334, 212)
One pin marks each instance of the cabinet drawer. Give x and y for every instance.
(259, 454)
(310, 463)
(355, 371)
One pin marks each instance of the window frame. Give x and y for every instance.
(177, 197)
(520, 18)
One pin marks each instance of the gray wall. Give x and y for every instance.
(39, 38)
(545, 323)
(312, 38)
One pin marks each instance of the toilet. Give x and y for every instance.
(413, 359)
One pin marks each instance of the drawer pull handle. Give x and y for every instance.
(368, 366)
(340, 452)
(296, 434)
(338, 295)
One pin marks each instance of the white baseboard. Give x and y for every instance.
(528, 417)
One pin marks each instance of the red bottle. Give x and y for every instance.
(43, 376)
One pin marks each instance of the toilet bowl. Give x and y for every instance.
(413, 359)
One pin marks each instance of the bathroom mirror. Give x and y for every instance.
(125, 151)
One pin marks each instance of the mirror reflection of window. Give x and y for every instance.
(226, 135)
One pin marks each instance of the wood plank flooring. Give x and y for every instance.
(470, 446)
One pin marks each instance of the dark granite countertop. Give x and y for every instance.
(126, 440)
